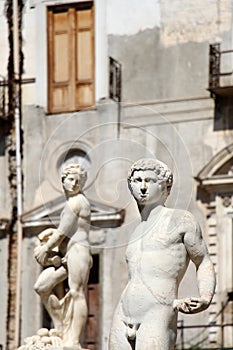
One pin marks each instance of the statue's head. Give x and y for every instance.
(73, 177)
(150, 180)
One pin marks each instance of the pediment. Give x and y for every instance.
(217, 175)
(225, 169)
(48, 215)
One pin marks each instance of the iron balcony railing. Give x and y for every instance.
(114, 80)
(115, 85)
(217, 59)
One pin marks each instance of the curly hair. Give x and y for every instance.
(75, 169)
(161, 170)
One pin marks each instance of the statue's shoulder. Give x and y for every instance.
(78, 203)
(82, 205)
(83, 200)
(181, 216)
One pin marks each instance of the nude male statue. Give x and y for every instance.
(157, 257)
(70, 240)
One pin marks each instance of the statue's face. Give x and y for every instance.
(71, 184)
(145, 187)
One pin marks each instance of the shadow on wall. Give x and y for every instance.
(223, 113)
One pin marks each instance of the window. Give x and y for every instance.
(74, 156)
(70, 57)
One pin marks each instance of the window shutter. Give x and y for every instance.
(85, 54)
(71, 57)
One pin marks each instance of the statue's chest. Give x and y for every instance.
(160, 235)
(159, 239)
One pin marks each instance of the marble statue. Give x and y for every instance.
(64, 252)
(157, 256)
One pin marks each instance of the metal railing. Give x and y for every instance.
(215, 60)
(220, 327)
(181, 328)
(114, 80)
(115, 76)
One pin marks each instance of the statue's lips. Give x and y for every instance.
(143, 196)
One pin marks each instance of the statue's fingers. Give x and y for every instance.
(194, 299)
(194, 304)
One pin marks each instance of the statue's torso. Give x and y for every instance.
(79, 211)
(157, 260)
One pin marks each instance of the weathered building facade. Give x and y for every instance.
(160, 70)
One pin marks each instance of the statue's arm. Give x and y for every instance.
(68, 220)
(206, 281)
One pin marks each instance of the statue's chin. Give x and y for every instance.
(71, 192)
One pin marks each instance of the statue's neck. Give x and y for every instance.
(72, 194)
(148, 210)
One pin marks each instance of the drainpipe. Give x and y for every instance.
(17, 113)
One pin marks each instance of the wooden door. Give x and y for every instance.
(91, 337)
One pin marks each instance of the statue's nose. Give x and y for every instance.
(143, 187)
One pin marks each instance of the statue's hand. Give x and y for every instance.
(46, 234)
(190, 305)
(41, 253)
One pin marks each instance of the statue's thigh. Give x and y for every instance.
(118, 339)
(154, 336)
(78, 264)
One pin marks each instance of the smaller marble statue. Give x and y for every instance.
(64, 253)
(158, 256)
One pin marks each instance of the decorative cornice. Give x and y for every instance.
(220, 183)
(102, 215)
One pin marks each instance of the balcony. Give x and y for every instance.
(220, 71)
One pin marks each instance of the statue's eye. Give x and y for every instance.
(138, 179)
(151, 180)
